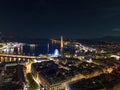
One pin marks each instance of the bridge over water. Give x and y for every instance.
(12, 58)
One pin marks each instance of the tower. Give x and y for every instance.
(0, 36)
(61, 45)
(48, 46)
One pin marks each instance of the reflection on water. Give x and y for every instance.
(42, 48)
(33, 48)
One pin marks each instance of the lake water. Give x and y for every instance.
(41, 47)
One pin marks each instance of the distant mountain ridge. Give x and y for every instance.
(36, 40)
(111, 38)
(25, 39)
(102, 40)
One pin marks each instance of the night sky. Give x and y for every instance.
(52, 18)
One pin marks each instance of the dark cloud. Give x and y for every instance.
(50, 18)
(110, 12)
(116, 30)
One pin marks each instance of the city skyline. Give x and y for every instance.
(50, 19)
